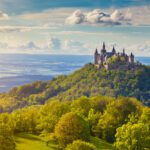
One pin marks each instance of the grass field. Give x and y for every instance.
(32, 142)
(101, 145)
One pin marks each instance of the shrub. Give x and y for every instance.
(80, 145)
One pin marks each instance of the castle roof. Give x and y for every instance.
(109, 53)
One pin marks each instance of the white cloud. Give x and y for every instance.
(98, 17)
(3, 45)
(76, 18)
(67, 46)
(6, 29)
(3, 16)
(141, 49)
(73, 45)
(116, 16)
(29, 46)
(57, 16)
(54, 43)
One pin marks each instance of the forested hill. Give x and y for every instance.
(87, 81)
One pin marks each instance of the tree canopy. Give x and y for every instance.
(87, 81)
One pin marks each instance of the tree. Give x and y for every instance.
(115, 115)
(93, 118)
(80, 145)
(99, 103)
(50, 113)
(133, 137)
(26, 119)
(81, 106)
(145, 117)
(6, 138)
(71, 127)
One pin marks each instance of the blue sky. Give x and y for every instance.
(74, 26)
(20, 6)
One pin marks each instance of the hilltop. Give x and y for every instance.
(87, 81)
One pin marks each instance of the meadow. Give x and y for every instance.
(26, 141)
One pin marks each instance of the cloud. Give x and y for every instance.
(73, 45)
(54, 43)
(98, 17)
(3, 16)
(6, 29)
(137, 15)
(76, 18)
(95, 16)
(3, 45)
(117, 16)
(29, 46)
(141, 49)
(67, 46)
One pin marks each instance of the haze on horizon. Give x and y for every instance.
(74, 27)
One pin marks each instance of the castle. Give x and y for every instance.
(113, 59)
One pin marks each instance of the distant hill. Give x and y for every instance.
(87, 81)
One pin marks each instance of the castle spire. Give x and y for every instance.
(104, 46)
(96, 51)
(132, 54)
(123, 51)
(131, 58)
(96, 57)
(103, 50)
(113, 50)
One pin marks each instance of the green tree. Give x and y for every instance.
(50, 114)
(133, 137)
(71, 127)
(145, 117)
(115, 115)
(93, 118)
(81, 106)
(6, 138)
(80, 145)
(26, 119)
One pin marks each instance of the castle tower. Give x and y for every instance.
(96, 57)
(123, 52)
(103, 50)
(113, 50)
(131, 58)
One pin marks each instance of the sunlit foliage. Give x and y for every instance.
(88, 81)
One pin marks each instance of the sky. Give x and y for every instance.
(74, 26)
